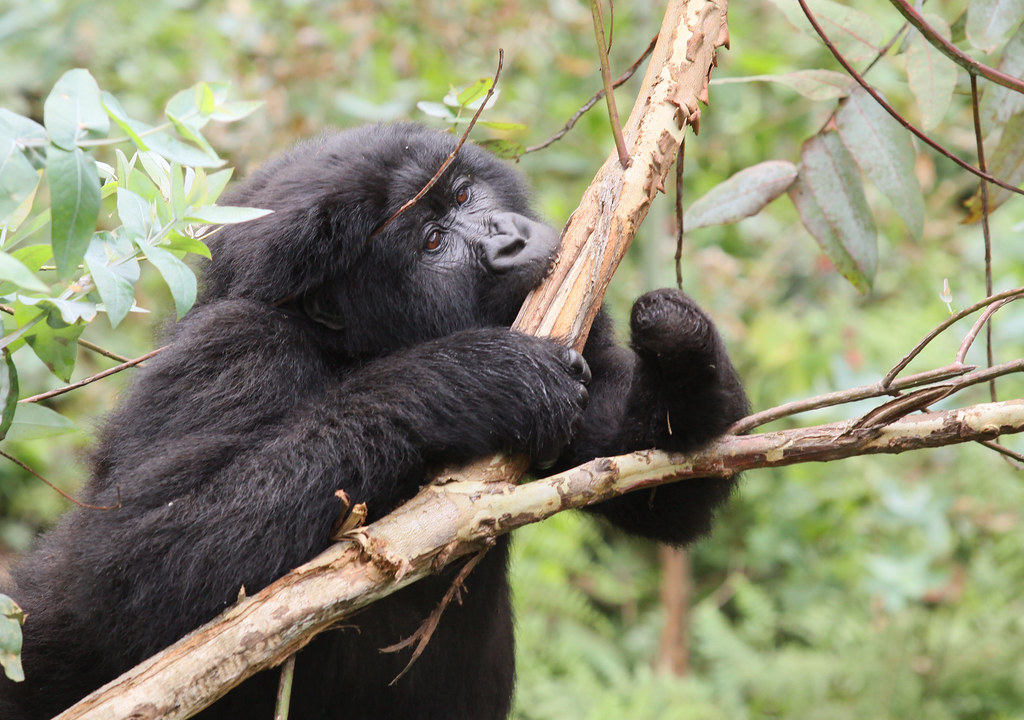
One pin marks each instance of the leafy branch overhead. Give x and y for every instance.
(865, 138)
(164, 196)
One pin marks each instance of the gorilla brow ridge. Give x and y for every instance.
(452, 155)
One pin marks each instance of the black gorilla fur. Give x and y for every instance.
(323, 356)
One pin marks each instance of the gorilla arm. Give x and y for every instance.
(676, 391)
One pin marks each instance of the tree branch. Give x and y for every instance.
(452, 520)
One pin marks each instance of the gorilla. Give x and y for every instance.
(329, 350)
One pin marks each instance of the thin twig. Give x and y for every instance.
(944, 46)
(941, 327)
(92, 378)
(630, 71)
(889, 109)
(284, 689)
(981, 322)
(985, 232)
(60, 492)
(426, 629)
(606, 80)
(453, 154)
(679, 212)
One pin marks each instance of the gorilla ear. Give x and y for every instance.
(320, 311)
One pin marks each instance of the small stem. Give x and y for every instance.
(606, 79)
(896, 116)
(944, 46)
(92, 378)
(284, 689)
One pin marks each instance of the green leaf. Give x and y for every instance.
(998, 103)
(14, 271)
(75, 201)
(53, 340)
(236, 110)
(506, 149)
(857, 35)
(437, 110)
(1007, 162)
(742, 195)
(33, 421)
(136, 215)
(502, 125)
(989, 21)
(177, 151)
(224, 214)
(116, 292)
(885, 152)
(8, 393)
(180, 279)
(11, 620)
(132, 128)
(466, 94)
(215, 184)
(21, 128)
(18, 181)
(177, 242)
(812, 84)
(932, 76)
(33, 256)
(829, 197)
(73, 108)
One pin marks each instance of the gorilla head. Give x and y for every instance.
(464, 255)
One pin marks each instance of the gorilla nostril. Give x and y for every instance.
(512, 248)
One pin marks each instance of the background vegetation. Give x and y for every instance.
(875, 587)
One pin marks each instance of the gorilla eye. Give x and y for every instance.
(434, 240)
(462, 194)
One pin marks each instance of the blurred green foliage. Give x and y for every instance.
(884, 587)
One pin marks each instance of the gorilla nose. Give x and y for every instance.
(512, 240)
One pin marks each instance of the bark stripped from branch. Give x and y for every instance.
(458, 518)
(424, 534)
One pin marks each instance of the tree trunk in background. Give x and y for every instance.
(676, 595)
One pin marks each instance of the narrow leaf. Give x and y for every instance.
(885, 152)
(55, 342)
(829, 197)
(989, 21)
(20, 127)
(18, 179)
(11, 620)
(742, 195)
(116, 292)
(998, 103)
(135, 214)
(932, 76)
(13, 270)
(812, 84)
(75, 202)
(180, 279)
(224, 214)
(74, 108)
(33, 421)
(1007, 163)
(437, 110)
(8, 395)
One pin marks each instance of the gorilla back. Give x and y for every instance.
(332, 350)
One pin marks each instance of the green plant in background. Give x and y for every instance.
(50, 184)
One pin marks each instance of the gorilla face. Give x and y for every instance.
(465, 255)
